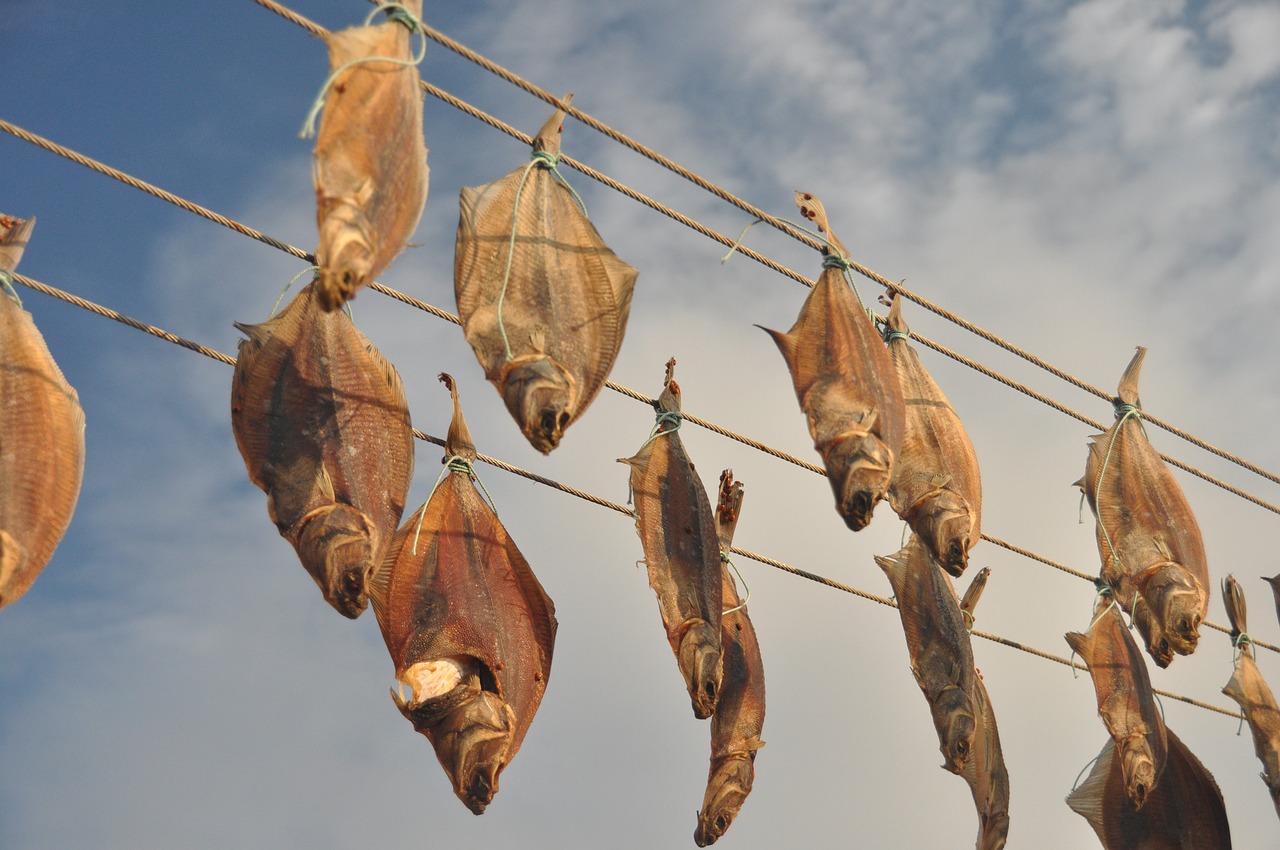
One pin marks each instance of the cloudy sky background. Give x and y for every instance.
(1077, 179)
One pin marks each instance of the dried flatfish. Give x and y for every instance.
(41, 435)
(1152, 553)
(1184, 812)
(936, 486)
(678, 533)
(845, 383)
(468, 626)
(543, 300)
(985, 771)
(739, 715)
(941, 656)
(322, 424)
(1125, 701)
(1250, 690)
(370, 158)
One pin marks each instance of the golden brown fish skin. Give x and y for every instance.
(678, 533)
(938, 643)
(1152, 552)
(1251, 692)
(322, 424)
(739, 715)
(466, 595)
(370, 158)
(545, 314)
(936, 486)
(846, 385)
(1184, 811)
(41, 437)
(1125, 700)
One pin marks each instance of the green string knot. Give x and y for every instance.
(835, 261)
(546, 159)
(457, 463)
(890, 336)
(1124, 409)
(6, 282)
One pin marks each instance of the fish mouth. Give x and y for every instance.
(1185, 635)
(727, 790)
(859, 469)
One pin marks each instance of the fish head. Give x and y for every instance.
(859, 467)
(337, 545)
(700, 662)
(1138, 766)
(1153, 634)
(1178, 601)
(953, 717)
(727, 790)
(542, 397)
(345, 256)
(945, 523)
(471, 730)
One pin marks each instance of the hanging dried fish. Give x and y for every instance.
(941, 656)
(845, 382)
(41, 434)
(1125, 701)
(985, 771)
(1152, 554)
(322, 424)
(1250, 690)
(739, 715)
(543, 301)
(678, 533)
(1184, 812)
(468, 626)
(370, 158)
(936, 486)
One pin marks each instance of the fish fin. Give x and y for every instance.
(1233, 599)
(1087, 800)
(13, 555)
(1128, 389)
(458, 441)
(538, 339)
(548, 138)
(1081, 644)
(786, 343)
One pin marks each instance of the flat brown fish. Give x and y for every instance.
(938, 643)
(1125, 701)
(739, 716)
(1152, 553)
(41, 436)
(543, 300)
(322, 424)
(986, 773)
(678, 533)
(468, 626)
(845, 383)
(370, 158)
(936, 487)
(1250, 690)
(1184, 812)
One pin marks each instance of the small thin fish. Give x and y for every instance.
(678, 533)
(846, 385)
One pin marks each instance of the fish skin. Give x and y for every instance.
(567, 299)
(938, 643)
(321, 421)
(678, 533)
(1125, 700)
(1274, 581)
(1184, 811)
(41, 437)
(1251, 692)
(936, 485)
(847, 387)
(370, 167)
(1159, 572)
(468, 594)
(738, 719)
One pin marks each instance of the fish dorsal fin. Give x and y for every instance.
(458, 443)
(548, 138)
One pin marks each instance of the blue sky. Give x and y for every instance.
(1077, 178)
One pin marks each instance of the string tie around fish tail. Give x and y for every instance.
(453, 463)
(889, 336)
(6, 282)
(724, 558)
(1240, 644)
(395, 13)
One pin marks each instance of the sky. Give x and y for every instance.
(1076, 178)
